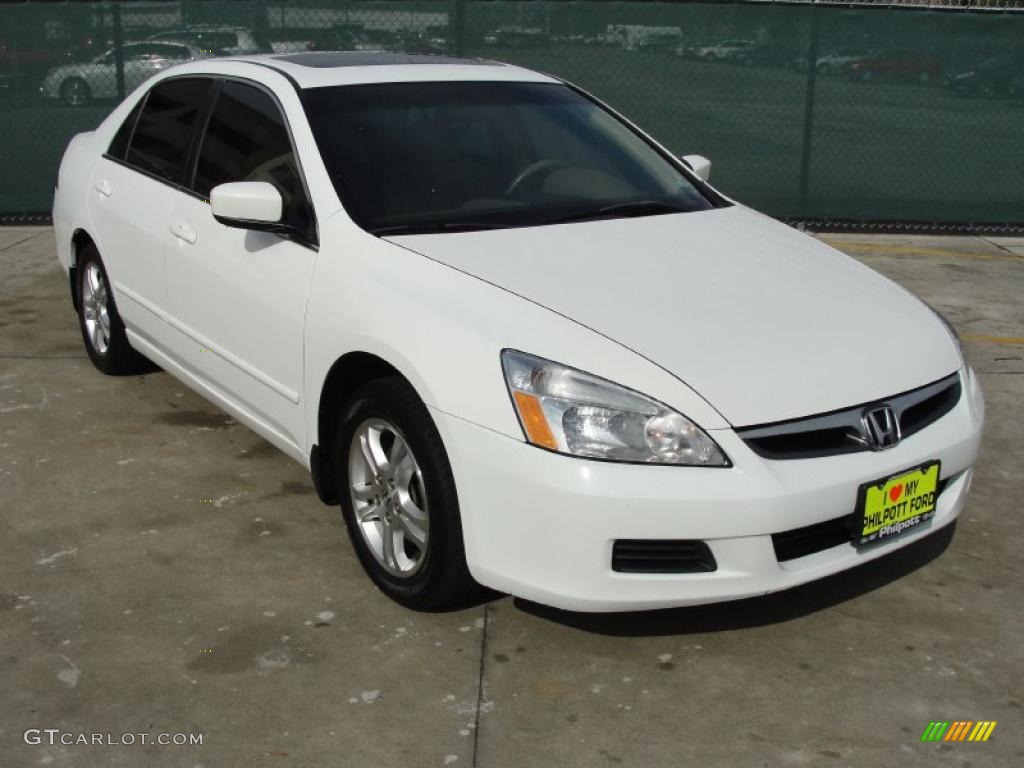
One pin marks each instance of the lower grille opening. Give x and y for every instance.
(662, 556)
(800, 542)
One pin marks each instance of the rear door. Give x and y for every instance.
(238, 297)
(131, 193)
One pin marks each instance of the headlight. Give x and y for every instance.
(569, 411)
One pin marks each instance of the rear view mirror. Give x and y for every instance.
(700, 166)
(248, 205)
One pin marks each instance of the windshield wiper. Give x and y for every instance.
(441, 226)
(622, 210)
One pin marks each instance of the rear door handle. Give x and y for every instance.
(184, 232)
(103, 187)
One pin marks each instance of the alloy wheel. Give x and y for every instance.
(75, 92)
(388, 497)
(95, 309)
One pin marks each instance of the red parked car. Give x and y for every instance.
(895, 65)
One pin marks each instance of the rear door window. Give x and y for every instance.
(163, 133)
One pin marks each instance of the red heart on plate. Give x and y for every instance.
(896, 491)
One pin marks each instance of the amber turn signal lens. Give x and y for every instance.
(534, 422)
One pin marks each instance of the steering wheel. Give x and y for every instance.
(534, 169)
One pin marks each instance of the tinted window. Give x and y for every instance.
(163, 133)
(119, 145)
(422, 156)
(246, 140)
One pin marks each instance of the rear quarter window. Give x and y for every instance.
(119, 144)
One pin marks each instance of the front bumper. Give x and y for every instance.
(541, 526)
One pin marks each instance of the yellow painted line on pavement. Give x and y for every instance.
(982, 339)
(882, 249)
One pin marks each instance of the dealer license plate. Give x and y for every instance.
(897, 504)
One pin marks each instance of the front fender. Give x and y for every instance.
(444, 331)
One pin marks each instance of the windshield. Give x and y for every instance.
(433, 156)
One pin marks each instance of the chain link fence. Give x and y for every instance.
(870, 113)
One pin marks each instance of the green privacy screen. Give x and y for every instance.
(807, 111)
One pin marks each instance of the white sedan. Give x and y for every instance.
(516, 340)
(78, 84)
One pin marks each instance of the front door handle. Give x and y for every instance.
(184, 232)
(103, 187)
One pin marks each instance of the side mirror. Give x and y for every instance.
(700, 166)
(248, 205)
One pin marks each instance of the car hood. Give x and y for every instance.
(762, 321)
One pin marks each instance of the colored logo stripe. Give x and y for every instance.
(958, 730)
(982, 731)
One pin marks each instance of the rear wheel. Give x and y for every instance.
(102, 328)
(398, 498)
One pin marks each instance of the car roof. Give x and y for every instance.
(325, 68)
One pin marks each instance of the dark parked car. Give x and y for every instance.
(769, 55)
(895, 65)
(994, 76)
(22, 67)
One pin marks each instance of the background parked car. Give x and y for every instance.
(993, 76)
(230, 41)
(770, 55)
(895, 65)
(726, 50)
(77, 84)
(517, 37)
(835, 62)
(22, 67)
(662, 42)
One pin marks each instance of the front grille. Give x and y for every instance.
(800, 542)
(839, 432)
(662, 556)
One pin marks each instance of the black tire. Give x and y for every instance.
(75, 92)
(442, 580)
(117, 358)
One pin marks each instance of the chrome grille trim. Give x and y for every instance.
(844, 431)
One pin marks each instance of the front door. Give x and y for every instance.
(238, 297)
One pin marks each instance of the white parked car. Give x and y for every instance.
(77, 84)
(228, 41)
(520, 344)
(216, 38)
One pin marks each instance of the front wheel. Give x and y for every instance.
(75, 92)
(398, 498)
